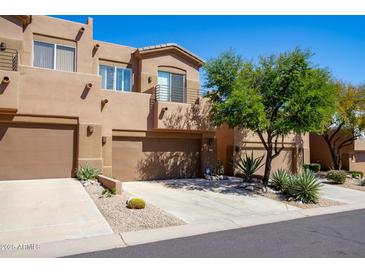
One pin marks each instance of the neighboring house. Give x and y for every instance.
(67, 100)
(231, 142)
(353, 156)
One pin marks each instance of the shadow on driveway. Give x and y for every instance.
(232, 185)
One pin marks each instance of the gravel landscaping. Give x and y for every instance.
(282, 198)
(257, 188)
(123, 219)
(349, 183)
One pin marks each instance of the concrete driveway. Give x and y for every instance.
(38, 211)
(341, 194)
(200, 200)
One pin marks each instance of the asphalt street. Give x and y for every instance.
(334, 235)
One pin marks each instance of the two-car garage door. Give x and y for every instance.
(139, 158)
(35, 151)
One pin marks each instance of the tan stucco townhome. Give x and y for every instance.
(68, 100)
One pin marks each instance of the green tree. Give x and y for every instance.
(278, 95)
(348, 123)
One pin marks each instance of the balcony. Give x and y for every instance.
(176, 94)
(180, 109)
(8, 59)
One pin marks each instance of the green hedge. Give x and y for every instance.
(314, 167)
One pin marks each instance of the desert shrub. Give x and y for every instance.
(87, 172)
(314, 167)
(303, 187)
(356, 174)
(248, 165)
(336, 176)
(108, 192)
(280, 179)
(136, 203)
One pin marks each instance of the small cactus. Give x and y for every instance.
(135, 203)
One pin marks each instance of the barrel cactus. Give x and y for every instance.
(135, 203)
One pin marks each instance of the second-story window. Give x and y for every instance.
(53, 56)
(115, 78)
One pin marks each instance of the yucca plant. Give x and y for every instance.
(248, 165)
(87, 172)
(280, 179)
(304, 187)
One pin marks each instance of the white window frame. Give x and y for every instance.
(184, 83)
(55, 56)
(115, 78)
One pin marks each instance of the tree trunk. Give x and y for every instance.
(336, 161)
(267, 166)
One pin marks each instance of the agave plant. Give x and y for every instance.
(87, 172)
(304, 187)
(248, 165)
(280, 179)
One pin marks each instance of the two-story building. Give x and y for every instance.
(67, 100)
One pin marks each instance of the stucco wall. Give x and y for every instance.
(150, 65)
(42, 95)
(231, 142)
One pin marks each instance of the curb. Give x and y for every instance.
(110, 241)
(174, 232)
(68, 247)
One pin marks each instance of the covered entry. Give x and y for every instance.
(36, 151)
(149, 158)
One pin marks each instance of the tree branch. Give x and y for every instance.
(262, 139)
(336, 131)
(277, 151)
(347, 142)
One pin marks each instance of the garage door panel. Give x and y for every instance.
(30, 151)
(155, 158)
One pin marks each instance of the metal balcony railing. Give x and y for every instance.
(170, 94)
(8, 59)
(176, 94)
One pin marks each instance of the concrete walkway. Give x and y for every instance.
(199, 200)
(40, 211)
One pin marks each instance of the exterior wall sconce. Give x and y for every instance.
(90, 129)
(89, 85)
(149, 79)
(6, 80)
(2, 46)
(103, 140)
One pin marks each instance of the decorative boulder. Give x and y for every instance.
(135, 203)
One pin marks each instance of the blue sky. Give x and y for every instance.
(337, 41)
